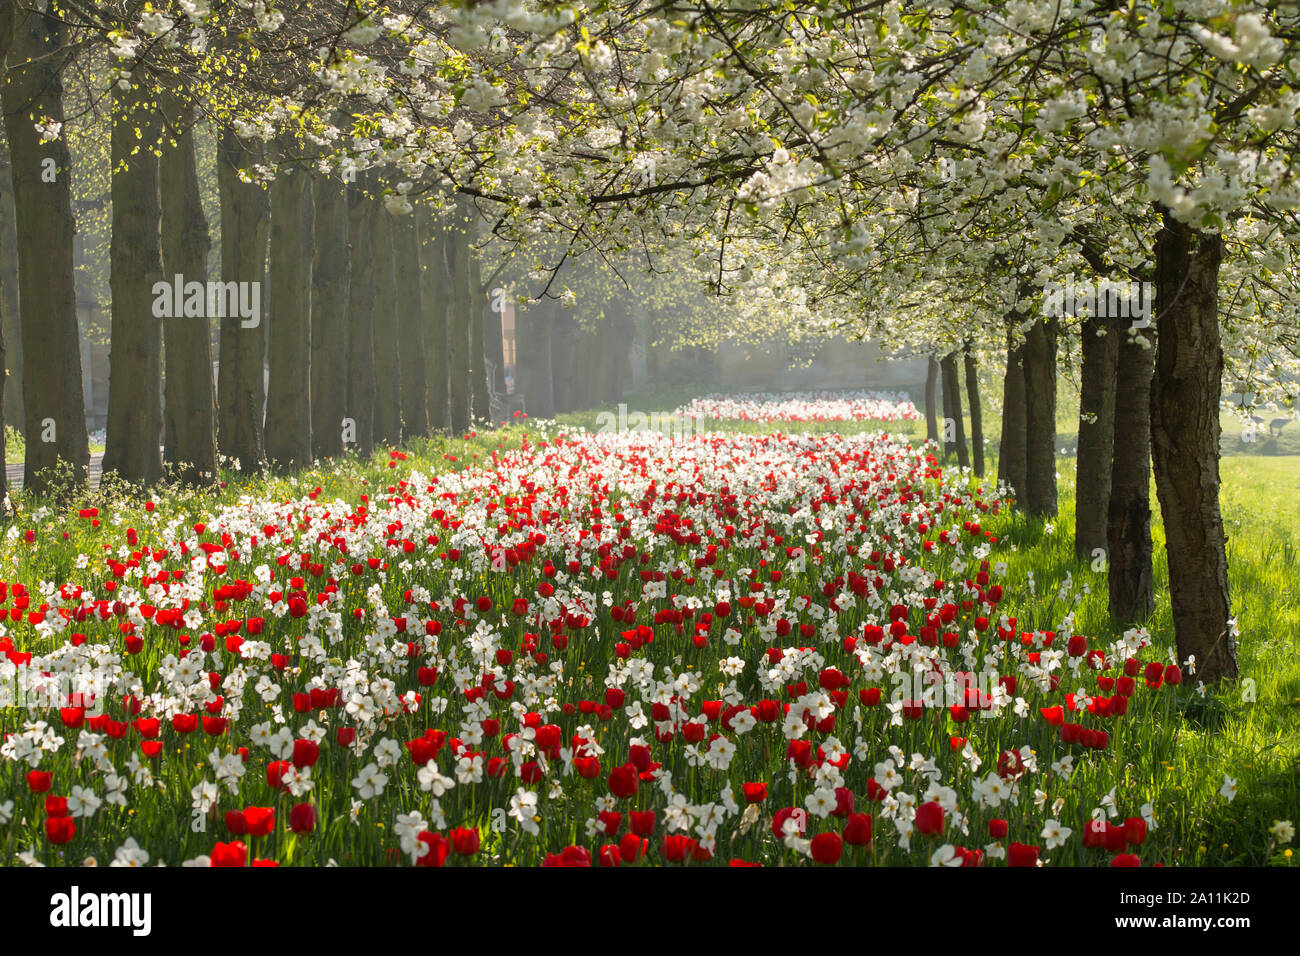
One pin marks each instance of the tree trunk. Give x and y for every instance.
(621, 334)
(976, 413)
(190, 422)
(931, 387)
(388, 378)
(458, 318)
(330, 319)
(535, 378)
(434, 290)
(494, 353)
(480, 387)
(1128, 522)
(1185, 395)
(135, 358)
(361, 318)
(47, 301)
(1100, 347)
(288, 395)
(10, 320)
(1040, 418)
(953, 423)
(1012, 443)
(410, 326)
(241, 382)
(565, 378)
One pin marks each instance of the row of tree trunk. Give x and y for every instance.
(1149, 402)
(562, 367)
(942, 375)
(365, 317)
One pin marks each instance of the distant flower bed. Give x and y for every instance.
(804, 407)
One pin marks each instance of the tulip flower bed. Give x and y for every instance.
(803, 407)
(592, 648)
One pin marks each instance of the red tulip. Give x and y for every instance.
(675, 847)
(1021, 854)
(623, 781)
(465, 840)
(60, 829)
(305, 753)
(631, 848)
(437, 852)
(260, 820)
(857, 831)
(575, 856)
(275, 772)
(787, 813)
(827, 848)
(229, 854)
(642, 822)
(754, 792)
(302, 818)
(929, 818)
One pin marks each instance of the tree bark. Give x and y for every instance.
(10, 320)
(434, 290)
(1100, 347)
(1185, 396)
(135, 424)
(1128, 522)
(931, 387)
(976, 413)
(410, 327)
(480, 387)
(288, 396)
(330, 320)
(388, 378)
(47, 301)
(189, 414)
(1012, 443)
(361, 305)
(1040, 418)
(458, 318)
(952, 411)
(241, 382)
